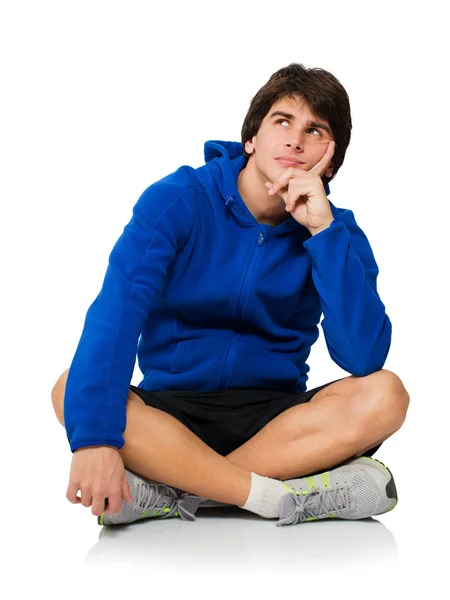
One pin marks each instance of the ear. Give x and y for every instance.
(329, 171)
(249, 145)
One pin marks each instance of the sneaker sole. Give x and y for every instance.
(391, 490)
(100, 519)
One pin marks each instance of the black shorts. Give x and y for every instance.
(226, 419)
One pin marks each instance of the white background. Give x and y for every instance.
(101, 99)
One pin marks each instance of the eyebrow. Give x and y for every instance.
(310, 123)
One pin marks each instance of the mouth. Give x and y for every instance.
(289, 162)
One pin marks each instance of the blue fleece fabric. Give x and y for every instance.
(211, 300)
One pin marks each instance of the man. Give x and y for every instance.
(219, 280)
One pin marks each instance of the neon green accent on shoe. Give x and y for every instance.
(395, 504)
(315, 518)
(155, 514)
(143, 516)
(326, 476)
(291, 491)
(287, 487)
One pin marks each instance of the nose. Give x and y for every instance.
(295, 140)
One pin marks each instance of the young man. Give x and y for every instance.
(219, 280)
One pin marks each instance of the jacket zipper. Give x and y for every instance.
(231, 351)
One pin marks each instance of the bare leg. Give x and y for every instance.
(304, 439)
(160, 448)
(298, 442)
(340, 422)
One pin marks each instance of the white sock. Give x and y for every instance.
(265, 495)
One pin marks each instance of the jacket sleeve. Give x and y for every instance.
(356, 327)
(101, 370)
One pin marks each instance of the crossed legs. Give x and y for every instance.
(341, 421)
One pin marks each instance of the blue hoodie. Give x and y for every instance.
(211, 300)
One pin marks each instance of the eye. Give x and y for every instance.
(286, 121)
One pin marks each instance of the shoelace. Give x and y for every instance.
(146, 491)
(315, 503)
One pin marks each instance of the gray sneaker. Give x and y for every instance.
(361, 488)
(152, 499)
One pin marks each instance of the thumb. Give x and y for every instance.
(126, 491)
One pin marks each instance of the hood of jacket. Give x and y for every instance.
(224, 160)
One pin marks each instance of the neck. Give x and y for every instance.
(266, 209)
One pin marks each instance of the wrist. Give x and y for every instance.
(316, 230)
(95, 447)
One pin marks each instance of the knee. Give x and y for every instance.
(390, 399)
(397, 397)
(58, 396)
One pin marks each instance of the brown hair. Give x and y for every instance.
(324, 94)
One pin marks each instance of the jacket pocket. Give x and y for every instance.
(178, 356)
(199, 356)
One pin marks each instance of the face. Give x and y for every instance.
(291, 135)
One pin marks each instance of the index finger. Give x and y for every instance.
(322, 165)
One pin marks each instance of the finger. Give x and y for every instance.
(323, 163)
(99, 504)
(290, 198)
(283, 180)
(126, 493)
(113, 503)
(71, 493)
(86, 497)
(290, 204)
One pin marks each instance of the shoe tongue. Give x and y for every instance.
(151, 494)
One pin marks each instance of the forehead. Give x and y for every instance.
(297, 106)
